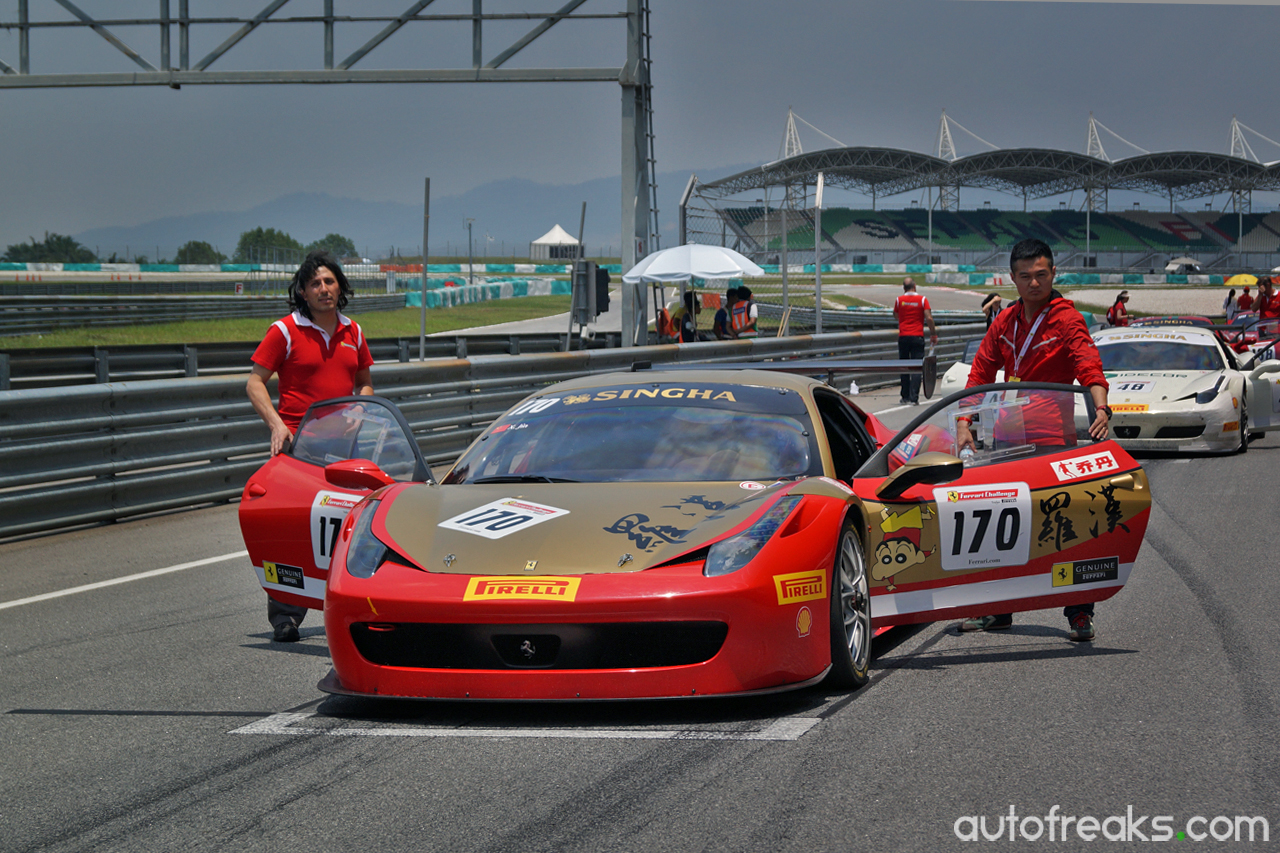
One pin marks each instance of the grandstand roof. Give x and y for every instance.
(1032, 172)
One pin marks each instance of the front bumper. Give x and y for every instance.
(661, 633)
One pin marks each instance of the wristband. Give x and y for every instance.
(1106, 409)
(966, 420)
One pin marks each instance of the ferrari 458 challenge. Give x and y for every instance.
(676, 534)
(1181, 388)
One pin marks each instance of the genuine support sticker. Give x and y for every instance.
(283, 575)
(522, 589)
(1086, 571)
(502, 518)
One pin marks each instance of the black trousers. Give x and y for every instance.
(278, 613)
(911, 346)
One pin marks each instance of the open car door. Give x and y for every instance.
(1038, 516)
(1262, 375)
(293, 507)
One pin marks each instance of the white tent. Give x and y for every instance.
(556, 244)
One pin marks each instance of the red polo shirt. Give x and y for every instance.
(311, 365)
(909, 309)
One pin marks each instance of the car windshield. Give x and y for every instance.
(659, 432)
(356, 430)
(1152, 355)
(1007, 421)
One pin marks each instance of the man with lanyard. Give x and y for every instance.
(1041, 338)
(744, 315)
(912, 310)
(318, 354)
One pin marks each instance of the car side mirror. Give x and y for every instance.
(933, 468)
(356, 474)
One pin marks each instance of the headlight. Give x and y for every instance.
(729, 555)
(1208, 395)
(365, 552)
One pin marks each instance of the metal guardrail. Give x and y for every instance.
(97, 453)
(58, 366)
(31, 315)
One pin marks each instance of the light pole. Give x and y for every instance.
(471, 272)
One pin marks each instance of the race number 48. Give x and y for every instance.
(984, 527)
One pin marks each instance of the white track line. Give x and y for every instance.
(140, 576)
(786, 728)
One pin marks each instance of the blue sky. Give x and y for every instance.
(1166, 76)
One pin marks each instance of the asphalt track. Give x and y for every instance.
(155, 714)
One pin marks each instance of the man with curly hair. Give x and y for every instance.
(318, 353)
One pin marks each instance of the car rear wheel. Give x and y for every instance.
(850, 614)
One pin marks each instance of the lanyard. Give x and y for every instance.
(1017, 359)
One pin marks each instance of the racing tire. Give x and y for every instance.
(850, 614)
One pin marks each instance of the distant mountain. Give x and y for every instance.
(513, 212)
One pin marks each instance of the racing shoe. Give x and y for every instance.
(988, 623)
(286, 632)
(1081, 627)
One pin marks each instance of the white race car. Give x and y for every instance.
(1182, 388)
(957, 375)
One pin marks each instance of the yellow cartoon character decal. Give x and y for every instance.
(900, 549)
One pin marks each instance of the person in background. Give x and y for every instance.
(745, 315)
(318, 353)
(689, 317)
(720, 326)
(1041, 338)
(991, 307)
(1268, 304)
(1229, 307)
(912, 311)
(1118, 314)
(1245, 302)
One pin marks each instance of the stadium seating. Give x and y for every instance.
(865, 231)
(1166, 231)
(1106, 236)
(949, 230)
(1004, 228)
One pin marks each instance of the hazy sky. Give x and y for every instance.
(1166, 76)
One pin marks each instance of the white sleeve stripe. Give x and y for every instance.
(288, 341)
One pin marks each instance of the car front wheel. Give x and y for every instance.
(850, 614)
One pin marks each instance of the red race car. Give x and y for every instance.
(665, 534)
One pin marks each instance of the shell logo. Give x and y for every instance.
(804, 622)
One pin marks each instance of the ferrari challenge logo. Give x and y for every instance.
(522, 589)
(800, 586)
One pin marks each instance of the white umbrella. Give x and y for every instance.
(692, 260)
(1277, 269)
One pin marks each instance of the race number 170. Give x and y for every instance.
(984, 526)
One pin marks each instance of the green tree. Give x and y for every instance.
(267, 246)
(336, 245)
(198, 252)
(56, 249)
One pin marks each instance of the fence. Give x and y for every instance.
(97, 453)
